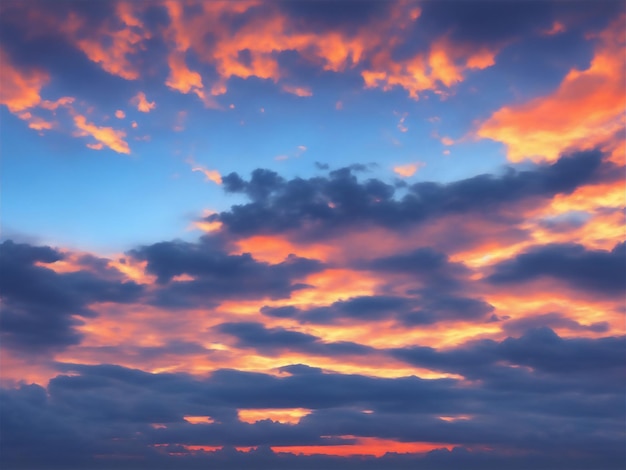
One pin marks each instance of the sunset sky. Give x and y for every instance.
(313, 234)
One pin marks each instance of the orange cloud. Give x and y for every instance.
(105, 136)
(210, 175)
(111, 46)
(444, 65)
(181, 78)
(20, 89)
(186, 33)
(66, 101)
(586, 109)
(20, 92)
(297, 90)
(365, 446)
(284, 415)
(261, 39)
(142, 102)
(556, 28)
(401, 126)
(35, 122)
(120, 114)
(408, 170)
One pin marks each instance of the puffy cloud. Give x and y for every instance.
(442, 67)
(42, 307)
(597, 271)
(298, 90)
(408, 170)
(142, 102)
(217, 275)
(112, 44)
(20, 89)
(545, 353)
(340, 199)
(210, 175)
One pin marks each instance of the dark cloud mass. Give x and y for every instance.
(404, 409)
(596, 271)
(41, 307)
(322, 205)
(312, 235)
(274, 340)
(218, 275)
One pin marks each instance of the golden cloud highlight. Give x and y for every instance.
(105, 136)
(408, 170)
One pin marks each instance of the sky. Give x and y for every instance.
(312, 234)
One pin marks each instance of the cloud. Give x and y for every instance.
(426, 307)
(82, 405)
(42, 307)
(298, 90)
(218, 275)
(540, 349)
(210, 175)
(21, 92)
(401, 127)
(444, 65)
(323, 205)
(105, 136)
(408, 170)
(20, 89)
(597, 271)
(142, 103)
(585, 110)
(474, 323)
(182, 79)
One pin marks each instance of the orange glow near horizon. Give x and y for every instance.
(198, 419)
(364, 446)
(285, 415)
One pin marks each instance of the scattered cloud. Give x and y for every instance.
(142, 102)
(105, 136)
(408, 170)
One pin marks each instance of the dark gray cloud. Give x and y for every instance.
(539, 349)
(271, 341)
(426, 308)
(596, 271)
(109, 411)
(41, 306)
(551, 320)
(320, 206)
(217, 274)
